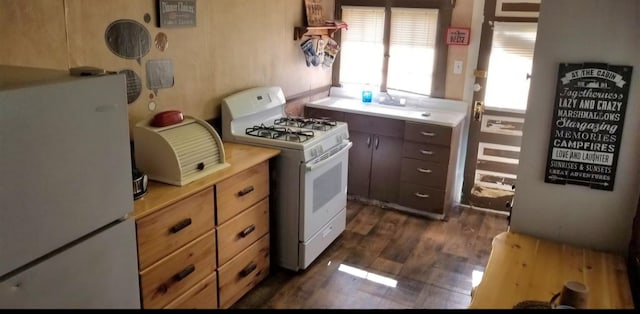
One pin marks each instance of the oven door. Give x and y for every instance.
(324, 189)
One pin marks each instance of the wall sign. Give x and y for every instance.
(176, 13)
(458, 35)
(588, 119)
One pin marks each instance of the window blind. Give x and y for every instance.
(412, 49)
(510, 64)
(362, 46)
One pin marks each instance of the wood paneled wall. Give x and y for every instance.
(237, 44)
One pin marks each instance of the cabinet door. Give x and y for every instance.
(359, 163)
(385, 168)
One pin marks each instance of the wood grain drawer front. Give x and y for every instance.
(242, 230)
(423, 151)
(421, 198)
(163, 232)
(428, 133)
(243, 272)
(241, 191)
(375, 125)
(203, 295)
(423, 173)
(174, 275)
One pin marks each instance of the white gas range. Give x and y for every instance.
(309, 190)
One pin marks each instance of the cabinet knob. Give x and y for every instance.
(245, 191)
(247, 270)
(181, 225)
(247, 231)
(430, 134)
(426, 152)
(424, 170)
(420, 195)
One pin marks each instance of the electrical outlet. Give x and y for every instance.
(457, 67)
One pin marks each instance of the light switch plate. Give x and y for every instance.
(457, 67)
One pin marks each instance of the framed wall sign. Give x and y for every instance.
(588, 119)
(458, 35)
(176, 13)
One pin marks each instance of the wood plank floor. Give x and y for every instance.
(387, 259)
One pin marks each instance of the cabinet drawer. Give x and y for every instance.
(428, 133)
(423, 172)
(237, 193)
(317, 113)
(174, 275)
(375, 125)
(163, 232)
(423, 151)
(204, 295)
(243, 272)
(421, 198)
(240, 231)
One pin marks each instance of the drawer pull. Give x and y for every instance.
(428, 134)
(184, 273)
(247, 231)
(247, 270)
(181, 225)
(426, 152)
(424, 170)
(245, 191)
(420, 195)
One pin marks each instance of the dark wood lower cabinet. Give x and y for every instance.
(407, 165)
(385, 168)
(359, 163)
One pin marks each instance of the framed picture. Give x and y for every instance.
(458, 36)
(315, 13)
(176, 13)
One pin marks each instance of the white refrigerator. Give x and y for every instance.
(66, 241)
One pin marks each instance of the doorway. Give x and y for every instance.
(499, 103)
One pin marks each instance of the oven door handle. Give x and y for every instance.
(327, 157)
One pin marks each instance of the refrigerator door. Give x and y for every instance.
(100, 272)
(65, 164)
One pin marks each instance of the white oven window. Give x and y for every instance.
(327, 186)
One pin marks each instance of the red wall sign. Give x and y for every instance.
(458, 35)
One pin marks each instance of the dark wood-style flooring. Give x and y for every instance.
(387, 259)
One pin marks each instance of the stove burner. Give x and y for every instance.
(320, 124)
(291, 121)
(295, 136)
(279, 133)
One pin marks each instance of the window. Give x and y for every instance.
(510, 65)
(411, 38)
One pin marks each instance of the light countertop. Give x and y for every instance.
(239, 156)
(437, 115)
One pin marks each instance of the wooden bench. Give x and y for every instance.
(523, 268)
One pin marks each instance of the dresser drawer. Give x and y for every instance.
(165, 231)
(237, 193)
(423, 172)
(243, 272)
(242, 230)
(424, 151)
(177, 273)
(428, 133)
(421, 198)
(203, 295)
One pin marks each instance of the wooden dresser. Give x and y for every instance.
(205, 244)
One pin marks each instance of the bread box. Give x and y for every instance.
(180, 153)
